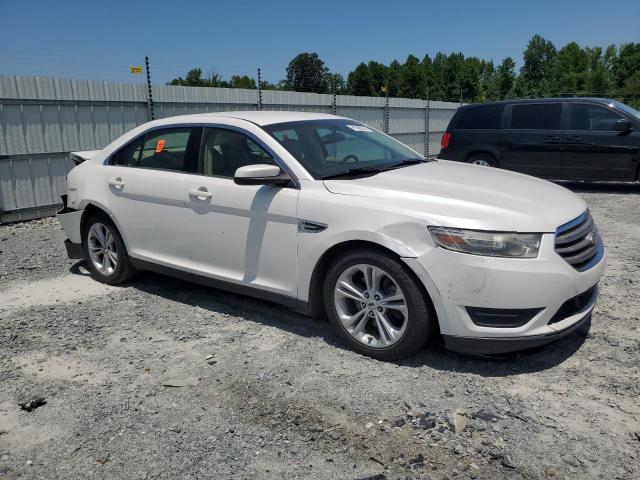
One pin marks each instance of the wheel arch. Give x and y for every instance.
(90, 208)
(483, 151)
(315, 301)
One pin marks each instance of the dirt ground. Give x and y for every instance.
(261, 392)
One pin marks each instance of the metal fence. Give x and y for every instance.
(43, 119)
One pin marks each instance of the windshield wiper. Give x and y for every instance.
(353, 171)
(404, 163)
(374, 170)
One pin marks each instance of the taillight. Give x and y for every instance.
(445, 140)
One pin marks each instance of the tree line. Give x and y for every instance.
(546, 71)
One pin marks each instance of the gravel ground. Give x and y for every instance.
(261, 392)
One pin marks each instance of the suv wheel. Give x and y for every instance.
(375, 305)
(482, 159)
(104, 251)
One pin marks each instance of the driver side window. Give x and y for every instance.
(224, 151)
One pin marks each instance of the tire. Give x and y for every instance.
(406, 331)
(482, 159)
(101, 265)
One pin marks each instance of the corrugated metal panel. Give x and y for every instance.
(42, 119)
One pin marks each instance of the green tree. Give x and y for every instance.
(242, 81)
(335, 80)
(379, 73)
(599, 75)
(307, 73)
(571, 69)
(539, 65)
(412, 81)
(627, 64)
(359, 81)
(505, 78)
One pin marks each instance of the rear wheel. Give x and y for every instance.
(483, 159)
(376, 306)
(104, 251)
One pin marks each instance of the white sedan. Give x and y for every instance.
(331, 217)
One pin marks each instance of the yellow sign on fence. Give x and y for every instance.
(135, 70)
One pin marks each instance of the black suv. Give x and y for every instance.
(558, 138)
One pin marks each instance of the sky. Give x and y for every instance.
(100, 40)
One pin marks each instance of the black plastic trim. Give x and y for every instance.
(498, 345)
(74, 250)
(285, 300)
(501, 317)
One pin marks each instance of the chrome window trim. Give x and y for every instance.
(279, 161)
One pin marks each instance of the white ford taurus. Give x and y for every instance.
(329, 216)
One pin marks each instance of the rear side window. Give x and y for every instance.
(481, 117)
(541, 116)
(593, 118)
(129, 156)
(165, 149)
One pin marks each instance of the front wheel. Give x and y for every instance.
(104, 251)
(376, 306)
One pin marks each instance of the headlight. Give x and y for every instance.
(492, 244)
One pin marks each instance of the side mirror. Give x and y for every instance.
(261, 174)
(623, 125)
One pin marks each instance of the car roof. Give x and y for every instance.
(544, 100)
(259, 117)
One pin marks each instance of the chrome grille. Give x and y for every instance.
(579, 243)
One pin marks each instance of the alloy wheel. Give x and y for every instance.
(484, 163)
(102, 249)
(371, 306)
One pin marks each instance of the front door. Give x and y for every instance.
(244, 234)
(533, 141)
(594, 149)
(146, 183)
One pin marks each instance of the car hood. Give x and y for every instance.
(467, 196)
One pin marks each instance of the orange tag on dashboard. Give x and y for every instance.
(160, 146)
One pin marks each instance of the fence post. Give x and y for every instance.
(427, 126)
(259, 91)
(149, 93)
(386, 114)
(334, 104)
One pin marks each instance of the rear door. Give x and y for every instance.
(533, 141)
(145, 182)
(594, 149)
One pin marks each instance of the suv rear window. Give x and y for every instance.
(481, 117)
(536, 116)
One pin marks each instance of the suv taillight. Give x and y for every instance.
(445, 140)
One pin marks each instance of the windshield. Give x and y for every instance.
(627, 108)
(330, 148)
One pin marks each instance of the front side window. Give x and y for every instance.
(536, 116)
(159, 149)
(593, 118)
(224, 151)
(327, 148)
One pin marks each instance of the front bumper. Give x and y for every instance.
(498, 345)
(456, 281)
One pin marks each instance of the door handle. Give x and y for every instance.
(574, 139)
(116, 182)
(552, 138)
(201, 194)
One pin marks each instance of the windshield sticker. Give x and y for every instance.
(160, 146)
(359, 128)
